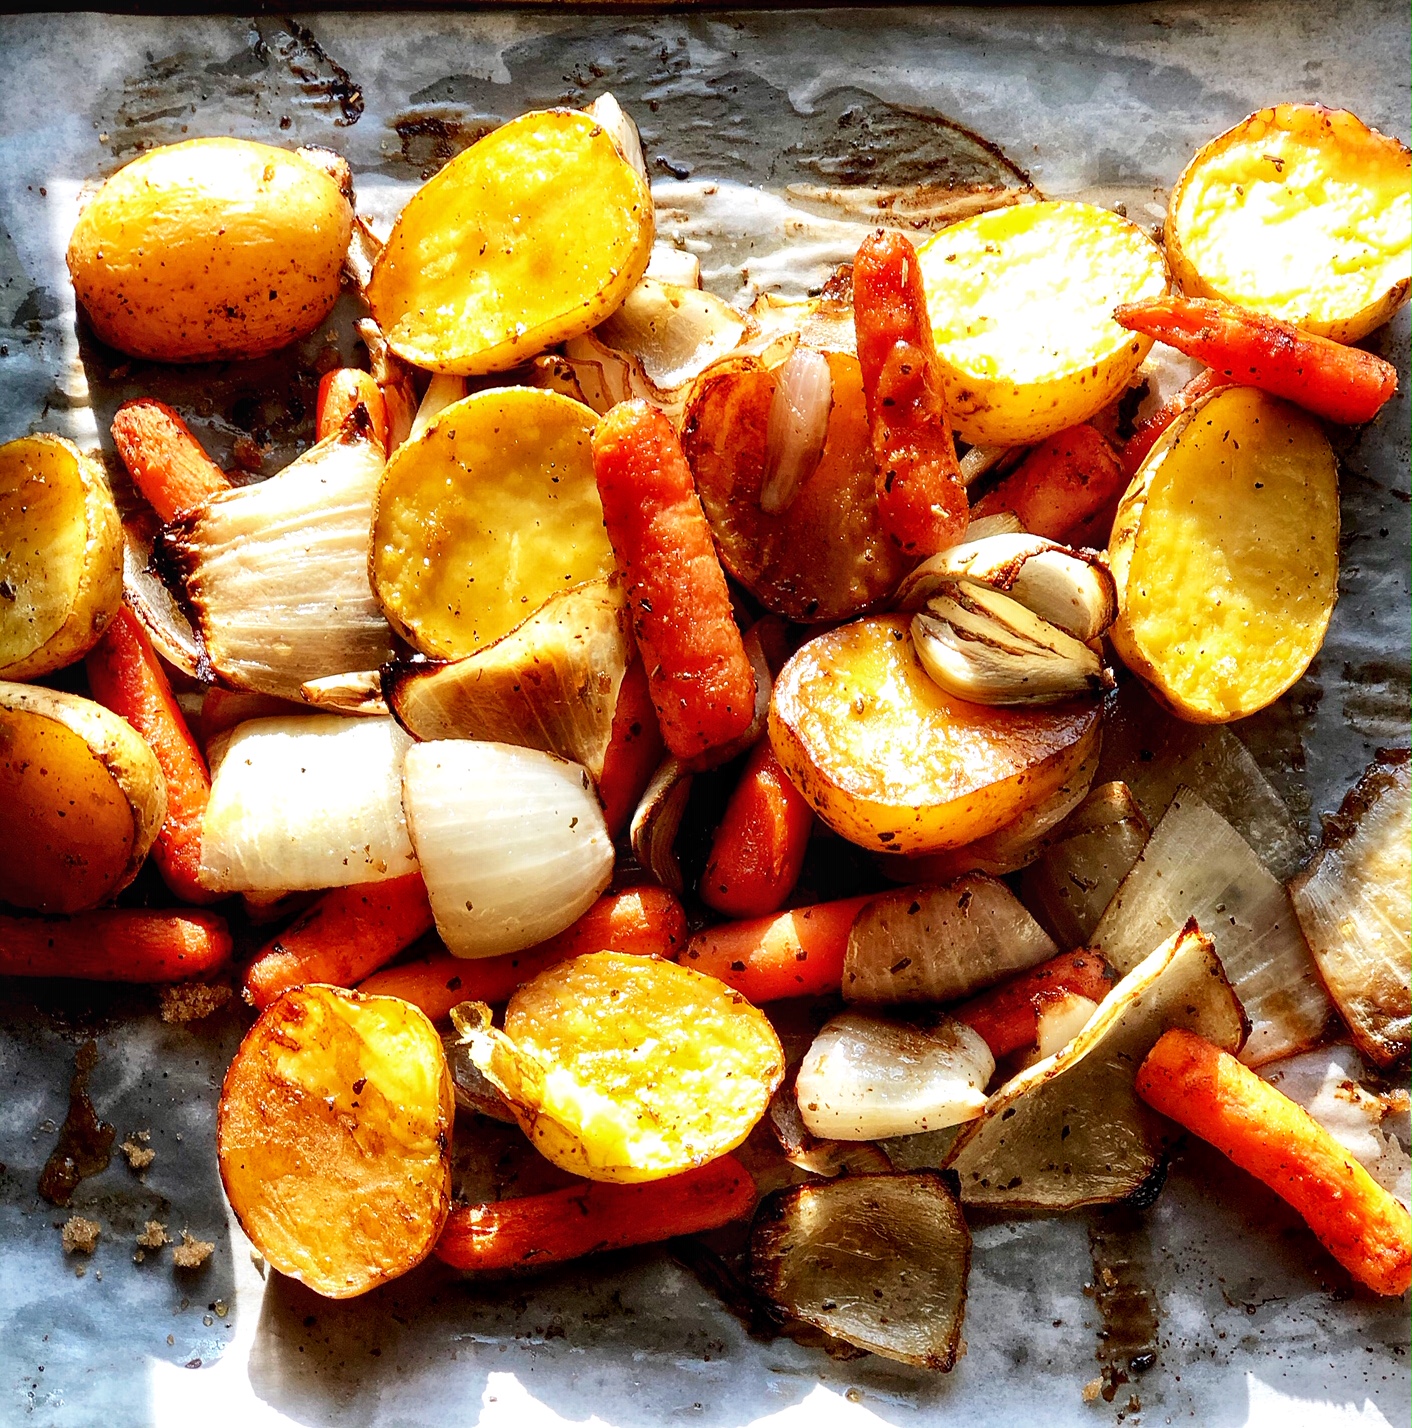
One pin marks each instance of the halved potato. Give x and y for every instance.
(1225, 556)
(891, 762)
(61, 555)
(1301, 212)
(83, 799)
(334, 1138)
(485, 516)
(630, 1068)
(551, 684)
(1021, 302)
(1070, 1130)
(531, 236)
(208, 249)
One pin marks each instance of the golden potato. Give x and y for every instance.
(1021, 302)
(61, 555)
(334, 1138)
(529, 237)
(492, 510)
(1225, 556)
(210, 249)
(894, 764)
(630, 1068)
(1301, 212)
(82, 798)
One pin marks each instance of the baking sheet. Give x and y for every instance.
(761, 128)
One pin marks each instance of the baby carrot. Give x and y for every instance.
(594, 1215)
(1007, 1016)
(1210, 1093)
(760, 845)
(114, 945)
(347, 934)
(125, 675)
(1341, 383)
(166, 463)
(343, 389)
(635, 749)
(1060, 485)
(792, 954)
(921, 499)
(698, 672)
(1145, 434)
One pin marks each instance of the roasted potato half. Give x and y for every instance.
(334, 1138)
(61, 555)
(529, 237)
(1301, 212)
(630, 1068)
(893, 763)
(1225, 556)
(210, 249)
(1021, 302)
(83, 799)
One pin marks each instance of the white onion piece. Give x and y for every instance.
(443, 390)
(798, 425)
(982, 459)
(864, 1078)
(623, 132)
(669, 264)
(308, 801)
(511, 842)
(1060, 1021)
(152, 603)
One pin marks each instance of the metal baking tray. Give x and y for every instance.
(762, 128)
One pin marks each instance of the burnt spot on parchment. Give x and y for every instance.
(428, 141)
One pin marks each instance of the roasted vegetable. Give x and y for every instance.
(115, 944)
(210, 249)
(630, 1068)
(1038, 1006)
(1225, 556)
(61, 575)
(166, 462)
(334, 1138)
(83, 796)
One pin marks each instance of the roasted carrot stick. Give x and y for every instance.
(1210, 1093)
(1060, 485)
(165, 461)
(1341, 383)
(702, 685)
(635, 749)
(593, 1215)
(1146, 433)
(125, 675)
(760, 845)
(645, 920)
(793, 954)
(343, 389)
(347, 934)
(114, 945)
(1008, 1015)
(921, 499)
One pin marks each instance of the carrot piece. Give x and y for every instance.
(223, 709)
(347, 934)
(635, 749)
(1060, 485)
(1146, 433)
(1209, 1092)
(699, 675)
(1007, 1016)
(166, 463)
(645, 920)
(1343, 384)
(343, 389)
(595, 1215)
(760, 845)
(792, 954)
(125, 675)
(921, 498)
(114, 945)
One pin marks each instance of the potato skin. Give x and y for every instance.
(210, 249)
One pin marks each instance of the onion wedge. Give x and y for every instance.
(1070, 1130)
(1197, 866)
(940, 943)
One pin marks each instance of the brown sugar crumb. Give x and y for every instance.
(1092, 1389)
(154, 1236)
(80, 1236)
(191, 1253)
(139, 1154)
(191, 1001)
